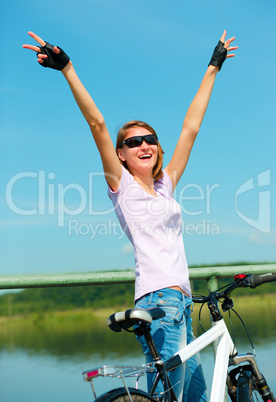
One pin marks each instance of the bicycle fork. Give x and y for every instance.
(252, 367)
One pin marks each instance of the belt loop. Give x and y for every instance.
(189, 303)
(179, 311)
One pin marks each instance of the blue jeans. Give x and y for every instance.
(170, 334)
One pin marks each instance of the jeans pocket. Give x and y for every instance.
(174, 314)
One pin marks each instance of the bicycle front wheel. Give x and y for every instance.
(121, 395)
(248, 391)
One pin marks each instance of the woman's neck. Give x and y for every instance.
(146, 182)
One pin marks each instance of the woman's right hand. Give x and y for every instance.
(48, 55)
(220, 53)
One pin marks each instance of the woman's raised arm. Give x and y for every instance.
(196, 111)
(54, 57)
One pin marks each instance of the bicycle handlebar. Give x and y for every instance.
(240, 281)
(257, 280)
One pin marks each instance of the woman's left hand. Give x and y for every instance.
(227, 44)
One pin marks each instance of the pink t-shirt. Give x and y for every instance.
(154, 227)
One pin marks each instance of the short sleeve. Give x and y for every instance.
(126, 180)
(164, 183)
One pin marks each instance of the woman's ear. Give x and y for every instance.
(120, 155)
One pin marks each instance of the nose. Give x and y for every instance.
(144, 144)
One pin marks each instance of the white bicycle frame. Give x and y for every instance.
(226, 354)
(225, 348)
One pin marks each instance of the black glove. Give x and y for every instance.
(218, 56)
(55, 61)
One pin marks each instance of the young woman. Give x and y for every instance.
(142, 194)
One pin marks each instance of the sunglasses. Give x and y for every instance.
(136, 141)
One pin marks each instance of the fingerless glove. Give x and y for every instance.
(218, 56)
(55, 61)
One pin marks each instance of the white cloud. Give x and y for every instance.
(262, 240)
(127, 249)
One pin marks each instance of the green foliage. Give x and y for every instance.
(74, 333)
(66, 298)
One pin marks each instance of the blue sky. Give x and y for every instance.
(139, 60)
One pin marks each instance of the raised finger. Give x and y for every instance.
(222, 39)
(230, 55)
(37, 38)
(232, 48)
(42, 56)
(56, 49)
(230, 40)
(31, 47)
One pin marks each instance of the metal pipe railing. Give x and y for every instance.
(211, 274)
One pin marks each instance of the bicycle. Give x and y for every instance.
(238, 373)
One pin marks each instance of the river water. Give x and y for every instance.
(43, 361)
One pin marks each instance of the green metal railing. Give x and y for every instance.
(211, 274)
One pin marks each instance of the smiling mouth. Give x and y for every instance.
(145, 156)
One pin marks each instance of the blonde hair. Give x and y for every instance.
(122, 133)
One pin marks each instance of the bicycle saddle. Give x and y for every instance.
(128, 318)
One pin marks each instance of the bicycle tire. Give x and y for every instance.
(120, 395)
(247, 389)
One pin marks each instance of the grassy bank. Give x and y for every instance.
(84, 331)
(247, 305)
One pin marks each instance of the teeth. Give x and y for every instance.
(145, 157)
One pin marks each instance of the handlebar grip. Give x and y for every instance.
(257, 280)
